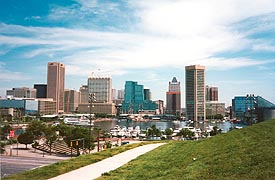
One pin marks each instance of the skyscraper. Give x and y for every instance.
(195, 92)
(41, 90)
(173, 97)
(211, 93)
(102, 87)
(56, 84)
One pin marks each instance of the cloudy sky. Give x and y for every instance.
(148, 41)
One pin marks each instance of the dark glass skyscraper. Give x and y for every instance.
(41, 90)
(195, 92)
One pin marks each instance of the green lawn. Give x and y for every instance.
(248, 153)
(62, 167)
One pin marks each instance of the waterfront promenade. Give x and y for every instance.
(97, 169)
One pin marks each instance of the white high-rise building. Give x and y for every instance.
(102, 87)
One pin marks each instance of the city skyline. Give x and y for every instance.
(145, 41)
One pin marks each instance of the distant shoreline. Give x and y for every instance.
(104, 119)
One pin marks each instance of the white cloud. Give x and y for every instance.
(12, 76)
(170, 34)
(263, 47)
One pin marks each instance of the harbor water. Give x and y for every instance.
(162, 125)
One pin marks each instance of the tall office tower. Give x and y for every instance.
(102, 87)
(134, 99)
(71, 100)
(120, 94)
(83, 94)
(173, 97)
(211, 93)
(56, 84)
(41, 90)
(214, 96)
(195, 92)
(23, 92)
(147, 94)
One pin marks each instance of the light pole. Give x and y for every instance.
(92, 99)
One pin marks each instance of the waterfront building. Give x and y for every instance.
(105, 108)
(173, 97)
(135, 101)
(211, 93)
(56, 84)
(23, 92)
(102, 87)
(28, 106)
(160, 108)
(195, 92)
(252, 107)
(83, 94)
(71, 99)
(213, 108)
(41, 90)
(46, 106)
(21, 106)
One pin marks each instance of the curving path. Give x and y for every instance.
(95, 170)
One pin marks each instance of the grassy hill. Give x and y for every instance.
(247, 153)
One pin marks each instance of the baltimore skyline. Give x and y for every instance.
(148, 41)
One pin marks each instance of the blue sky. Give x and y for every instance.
(148, 41)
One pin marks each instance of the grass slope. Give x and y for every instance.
(248, 153)
(65, 166)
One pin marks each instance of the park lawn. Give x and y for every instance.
(248, 153)
(65, 166)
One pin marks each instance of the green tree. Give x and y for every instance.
(50, 136)
(215, 131)
(186, 133)
(153, 131)
(4, 131)
(25, 138)
(36, 128)
(75, 133)
(168, 131)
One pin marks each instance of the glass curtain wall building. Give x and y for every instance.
(137, 99)
(257, 105)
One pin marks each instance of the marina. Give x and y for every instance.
(126, 128)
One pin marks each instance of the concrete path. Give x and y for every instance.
(95, 170)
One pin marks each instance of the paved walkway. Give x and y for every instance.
(95, 170)
(20, 151)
